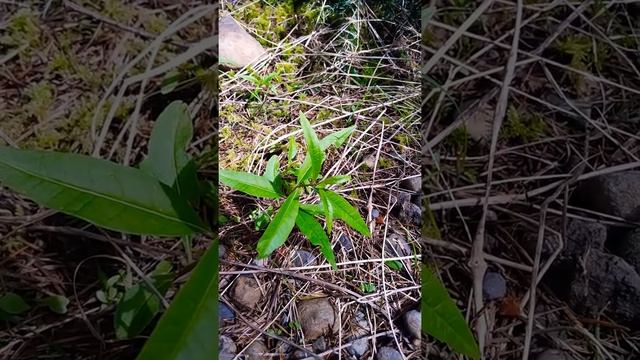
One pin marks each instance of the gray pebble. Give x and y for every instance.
(320, 345)
(494, 286)
(225, 313)
(256, 351)
(345, 242)
(552, 354)
(358, 347)
(387, 353)
(413, 323)
(227, 348)
(222, 251)
(412, 184)
(303, 258)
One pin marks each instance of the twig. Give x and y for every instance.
(478, 264)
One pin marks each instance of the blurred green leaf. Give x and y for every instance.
(335, 180)
(109, 195)
(140, 305)
(272, 169)
(328, 210)
(57, 303)
(337, 138)
(442, 319)
(188, 329)
(14, 304)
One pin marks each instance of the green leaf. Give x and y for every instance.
(313, 209)
(442, 319)
(426, 15)
(315, 153)
(248, 183)
(139, 305)
(328, 210)
(170, 137)
(13, 304)
(344, 211)
(337, 138)
(312, 229)
(272, 169)
(188, 329)
(335, 180)
(280, 227)
(394, 264)
(109, 195)
(57, 303)
(170, 81)
(292, 150)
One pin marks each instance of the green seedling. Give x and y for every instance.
(263, 84)
(289, 183)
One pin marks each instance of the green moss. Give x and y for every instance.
(155, 24)
(119, 10)
(40, 99)
(22, 30)
(384, 163)
(523, 127)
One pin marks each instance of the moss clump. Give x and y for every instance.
(40, 99)
(22, 30)
(523, 127)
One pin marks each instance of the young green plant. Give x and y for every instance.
(293, 180)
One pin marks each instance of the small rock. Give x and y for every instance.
(478, 119)
(615, 194)
(261, 262)
(317, 317)
(345, 243)
(583, 236)
(629, 249)
(413, 323)
(246, 292)
(375, 213)
(225, 314)
(222, 251)
(362, 325)
(256, 351)
(494, 286)
(227, 348)
(410, 213)
(412, 184)
(236, 48)
(358, 347)
(552, 354)
(320, 344)
(387, 353)
(370, 161)
(397, 246)
(303, 258)
(607, 283)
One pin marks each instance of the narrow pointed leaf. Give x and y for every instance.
(337, 138)
(313, 209)
(248, 183)
(335, 180)
(280, 227)
(56, 303)
(188, 329)
(271, 170)
(315, 153)
(344, 211)
(328, 210)
(442, 319)
(292, 150)
(312, 229)
(170, 137)
(109, 195)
